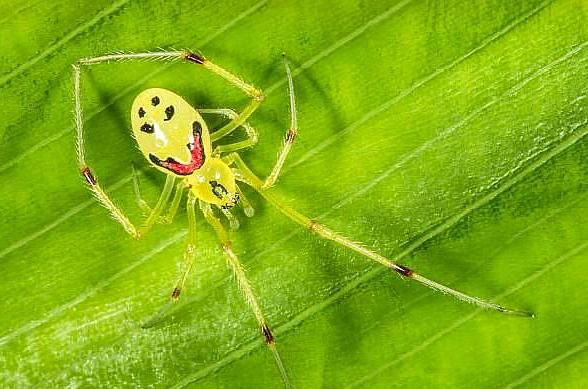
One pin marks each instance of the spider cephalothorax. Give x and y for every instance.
(215, 184)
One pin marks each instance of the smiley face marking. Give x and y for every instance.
(147, 128)
(169, 113)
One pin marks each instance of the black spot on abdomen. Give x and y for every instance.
(148, 128)
(169, 113)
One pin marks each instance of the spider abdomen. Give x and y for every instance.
(170, 133)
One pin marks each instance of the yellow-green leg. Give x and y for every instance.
(236, 121)
(159, 206)
(145, 208)
(173, 209)
(189, 255)
(251, 133)
(248, 209)
(290, 134)
(243, 173)
(190, 247)
(244, 285)
(256, 94)
(175, 204)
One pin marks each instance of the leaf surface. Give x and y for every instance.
(447, 135)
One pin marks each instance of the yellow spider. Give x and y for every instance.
(174, 139)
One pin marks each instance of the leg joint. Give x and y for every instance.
(267, 334)
(226, 246)
(196, 58)
(403, 270)
(258, 95)
(88, 176)
(176, 293)
(291, 135)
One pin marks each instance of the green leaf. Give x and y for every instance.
(447, 135)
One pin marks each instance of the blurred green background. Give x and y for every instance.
(447, 134)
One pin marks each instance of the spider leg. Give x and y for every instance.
(159, 206)
(92, 181)
(290, 134)
(245, 287)
(255, 94)
(244, 174)
(173, 209)
(245, 204)
(139, 199)
(189, 255)
(233, 221)
(251, 132)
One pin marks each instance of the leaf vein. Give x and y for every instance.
(54, 47)
(42, 144)
(547, 365)
(58, 311)
(414, 87)
(429, 341)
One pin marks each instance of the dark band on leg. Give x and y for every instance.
(312, 225)
(403, 270)
(267, 334)
(192, 57)
(291, 135)
(88, 176)
(176, 293)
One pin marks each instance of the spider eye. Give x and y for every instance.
(148, 128)
(141, 112)
(155, 101)
(169, 113)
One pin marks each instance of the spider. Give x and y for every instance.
(175, 140)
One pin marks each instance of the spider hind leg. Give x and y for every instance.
(245, 287)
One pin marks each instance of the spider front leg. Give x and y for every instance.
(288, 138)
(244, 174)
(256, 94)
(244, 285)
